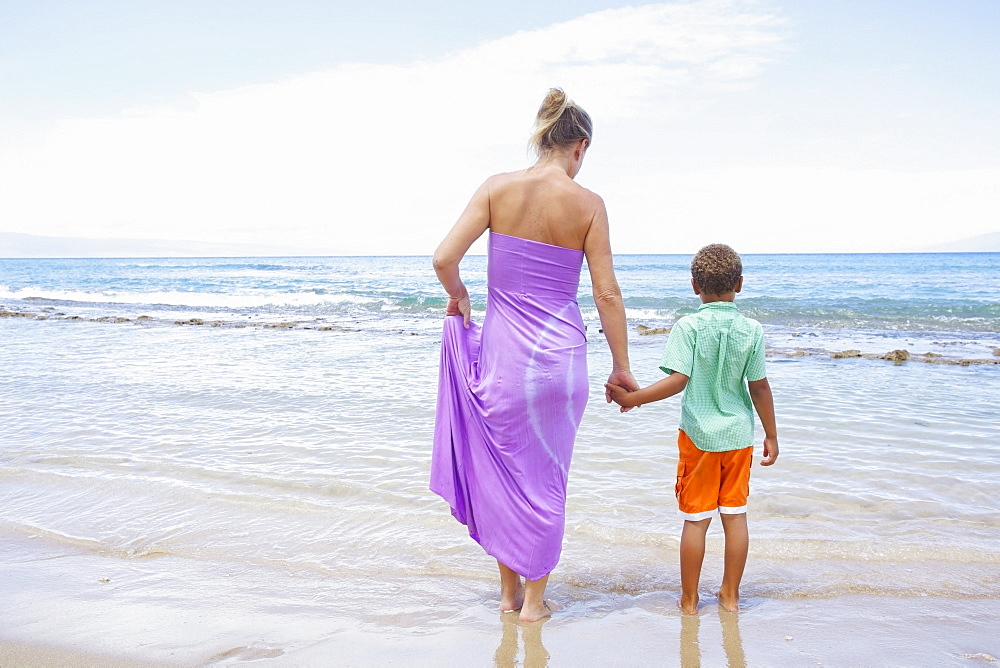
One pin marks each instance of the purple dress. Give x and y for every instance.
(510, 398)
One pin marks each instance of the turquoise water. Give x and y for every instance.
(944, 291)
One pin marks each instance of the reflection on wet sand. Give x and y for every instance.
(690, 651)
(535, 654)
(732, 642)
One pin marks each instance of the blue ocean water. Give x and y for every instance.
(866, 301)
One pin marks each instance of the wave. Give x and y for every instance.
(213, 300)
(843, 292)
(880, 314)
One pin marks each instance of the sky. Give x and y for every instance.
(363, 128)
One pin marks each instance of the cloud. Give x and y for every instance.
(366, 158)
(779, 210)
(370, 158)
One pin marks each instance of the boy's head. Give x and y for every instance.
(717, 269)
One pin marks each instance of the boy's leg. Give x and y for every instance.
(697, 490)
(733, 493)
(692, 556)
(737, 547)
(511, 590)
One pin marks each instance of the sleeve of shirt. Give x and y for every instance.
(755, 363)
(679, 354)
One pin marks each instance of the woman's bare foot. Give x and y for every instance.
(513, 600)
(541, 611)
(730, 603)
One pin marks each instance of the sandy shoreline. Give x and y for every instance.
(28, 655)
(850, 631)
(58, 614)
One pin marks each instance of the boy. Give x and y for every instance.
(716, 356)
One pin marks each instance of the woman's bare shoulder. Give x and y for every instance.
(593, 198)
(509, 177)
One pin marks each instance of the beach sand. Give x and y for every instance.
(83, 610)
(28, 655)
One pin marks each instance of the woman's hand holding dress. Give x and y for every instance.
(460, 306)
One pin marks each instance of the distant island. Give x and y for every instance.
(983, 243)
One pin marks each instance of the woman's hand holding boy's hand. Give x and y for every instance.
(770, 450)
(620, 396)
(625, 383)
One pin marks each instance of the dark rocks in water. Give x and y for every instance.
(15, 314)
(192, 321)
(897, 356)
(846, 353)
(144, 318)
(932, 355)
(649, 331)
(996, 352)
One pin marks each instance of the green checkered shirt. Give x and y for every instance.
(719, 349)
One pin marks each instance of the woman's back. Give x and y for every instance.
(542, 204)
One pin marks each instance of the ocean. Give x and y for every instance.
(215, 460)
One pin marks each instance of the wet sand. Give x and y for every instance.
(27, 655)
(141, 613)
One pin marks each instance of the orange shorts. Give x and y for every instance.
(710, 481)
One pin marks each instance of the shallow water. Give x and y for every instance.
(282, 474)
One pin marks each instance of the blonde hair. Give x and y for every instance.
(559, 122)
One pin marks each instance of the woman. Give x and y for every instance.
(512, 393)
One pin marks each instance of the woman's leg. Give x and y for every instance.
(511, 590)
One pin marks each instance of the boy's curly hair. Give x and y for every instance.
(716, 268)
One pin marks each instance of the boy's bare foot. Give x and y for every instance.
(688, 606)
(512, 601)
(730, 603)
(540, 612)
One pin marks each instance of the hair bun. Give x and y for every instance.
(559, 122)
(553, 105)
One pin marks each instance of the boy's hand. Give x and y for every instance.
(620, 396)
(770, 450)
